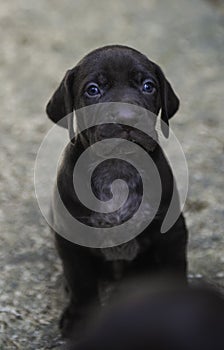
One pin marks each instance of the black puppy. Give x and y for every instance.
(114, 74)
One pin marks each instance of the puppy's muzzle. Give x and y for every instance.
(122, 121)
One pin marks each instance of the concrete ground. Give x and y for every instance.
(39, 41)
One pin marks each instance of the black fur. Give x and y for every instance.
(119, 72)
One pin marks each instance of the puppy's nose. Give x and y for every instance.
(122, 114)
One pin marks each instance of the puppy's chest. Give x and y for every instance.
(126, 251)
(119, 190)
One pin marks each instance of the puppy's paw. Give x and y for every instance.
(72, 323)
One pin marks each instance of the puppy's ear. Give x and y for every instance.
(169, 101)
(61, 104)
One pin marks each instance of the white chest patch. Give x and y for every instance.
(127, 251)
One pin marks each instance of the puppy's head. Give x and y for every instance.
(114, 74)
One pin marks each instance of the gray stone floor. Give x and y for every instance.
(39, 41)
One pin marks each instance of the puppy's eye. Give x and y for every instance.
(148, 86)
(93, 90)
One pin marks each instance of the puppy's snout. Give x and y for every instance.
(112, 130)
(124, 115)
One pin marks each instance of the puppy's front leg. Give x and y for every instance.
(81, 274)
(171, 250)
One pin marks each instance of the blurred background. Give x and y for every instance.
(40, 40)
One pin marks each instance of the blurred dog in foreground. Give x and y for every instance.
(167, 318)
